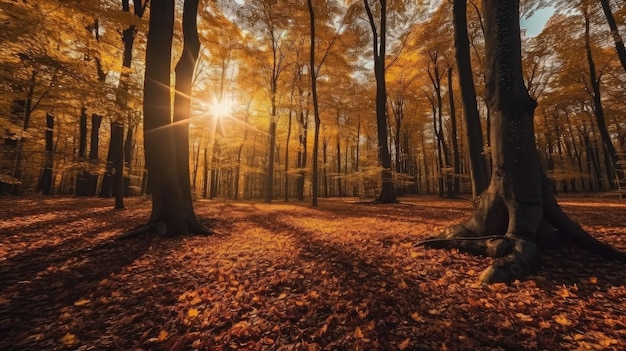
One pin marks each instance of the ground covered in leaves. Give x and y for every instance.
(285, 276)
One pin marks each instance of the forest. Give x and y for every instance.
(312, 175)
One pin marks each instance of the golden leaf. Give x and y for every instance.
(192, 313)
(563, 292)
(82, 302)
(416, 317)
(524, 317)
(562, 319)
(196, 301)
(544, 325)
(163, 335)
(593, 280)
(282, 296)
(69, 340)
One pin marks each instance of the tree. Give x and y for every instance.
(379, 45)
(617, 38)
(478, 166)
(171, 193)
(518, 207)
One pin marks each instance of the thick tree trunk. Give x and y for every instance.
(518, 210)
(478, 166)
(159, 140)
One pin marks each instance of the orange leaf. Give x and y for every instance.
(69, 340)
(405, 344)
(358, 333)
(562, 319)
(163, 335)
(192, 313)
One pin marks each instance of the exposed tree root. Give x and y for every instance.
(517, 246)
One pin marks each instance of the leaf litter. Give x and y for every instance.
(287, 276)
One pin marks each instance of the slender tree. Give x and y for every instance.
(473, 130)
(379, 44)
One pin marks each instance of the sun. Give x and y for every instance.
(221, 108)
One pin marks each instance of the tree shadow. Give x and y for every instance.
(27, 303)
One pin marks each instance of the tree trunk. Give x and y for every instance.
(598, 110)
(478, 166)
(316, 112)
(45, 182)
(168, 200)
(388, 192)
(96, 120)
(182, 109)
(117, 145)
(456, 162)
(82, 134)
(106, 189)
(617, 38)
(518, 207)
(205, 175)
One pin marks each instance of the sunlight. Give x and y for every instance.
(221, 108)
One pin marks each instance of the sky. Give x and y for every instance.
(535, 24)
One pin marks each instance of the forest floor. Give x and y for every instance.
(285, 276)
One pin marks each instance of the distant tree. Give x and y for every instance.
(518, 208)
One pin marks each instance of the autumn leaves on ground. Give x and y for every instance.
(285, 276)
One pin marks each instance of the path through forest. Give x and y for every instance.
(290, 277)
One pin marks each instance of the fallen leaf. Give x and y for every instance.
(192, 313)
(82, 302)
(358, 333)
(562, 319)
(524, 317)
(405, 344)
(69, 340)
(162, 335)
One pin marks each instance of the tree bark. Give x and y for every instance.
(456, 162)
(473, 130)
(617, 38)
(316, 111)
(518, 210)
(611, 160)
(96, 120)
(182, 109)
(45, 182)
(388, 192)
(168, 199)
(82, 145)
(117, 142)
